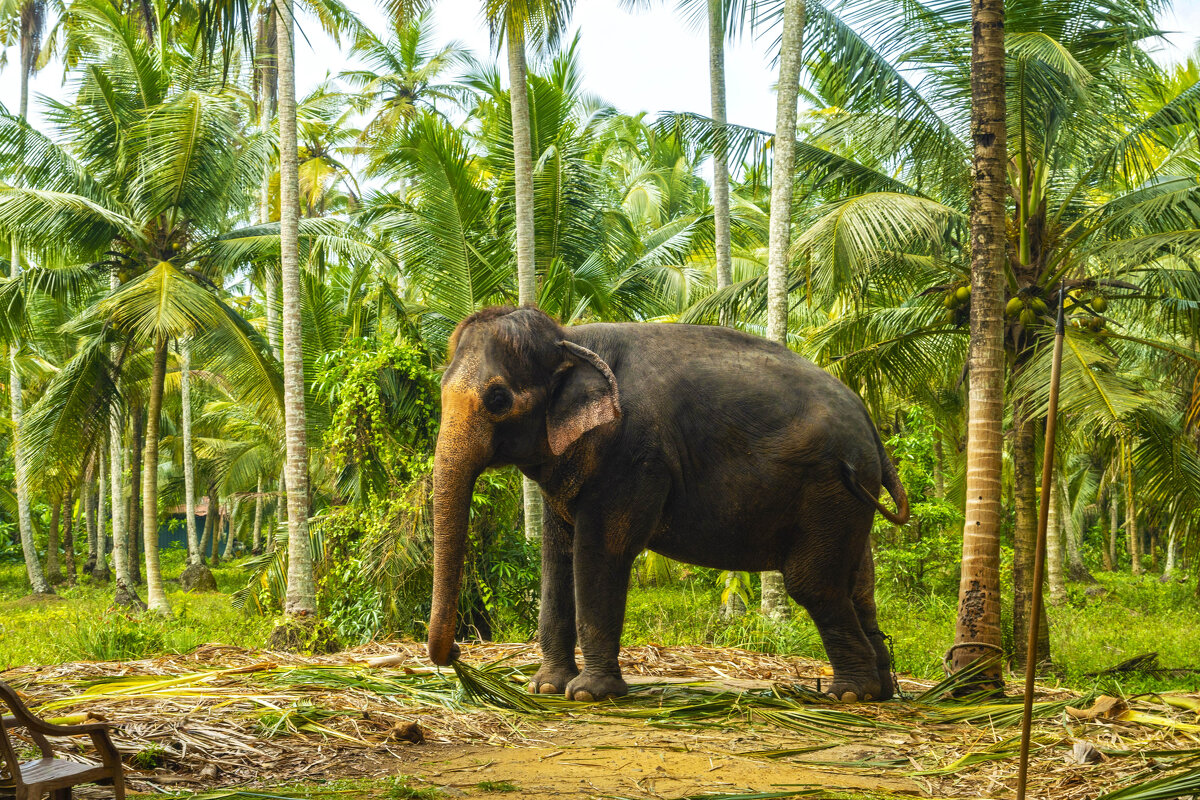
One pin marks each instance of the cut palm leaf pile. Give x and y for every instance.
(225, 717)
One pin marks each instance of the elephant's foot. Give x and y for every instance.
(590, 686)
(853, 691)
(551, 679)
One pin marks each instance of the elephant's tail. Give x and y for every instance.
(891, 482)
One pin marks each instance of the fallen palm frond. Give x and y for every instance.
(269, 718)
(1000, 714)
(1179, 785)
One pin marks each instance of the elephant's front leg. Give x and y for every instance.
(556, 620)
(606, 542)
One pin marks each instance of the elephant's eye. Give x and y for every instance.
(497, 400)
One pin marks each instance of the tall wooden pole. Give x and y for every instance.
(1039, 557)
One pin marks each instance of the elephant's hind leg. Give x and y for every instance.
(556, 622)
(818, 577)
(864, 606)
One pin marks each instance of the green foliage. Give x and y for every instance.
(80, 625)
(922, 556)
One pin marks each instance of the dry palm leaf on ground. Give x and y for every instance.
(721, 723)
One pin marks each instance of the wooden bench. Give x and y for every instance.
(49, 775)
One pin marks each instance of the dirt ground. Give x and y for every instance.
(700, 722)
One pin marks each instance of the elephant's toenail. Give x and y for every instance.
(584, 697)
(849, 697)
(548, 688)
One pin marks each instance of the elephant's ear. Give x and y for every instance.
(584, 396)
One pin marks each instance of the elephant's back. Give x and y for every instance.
(705, 391)
(722, 362)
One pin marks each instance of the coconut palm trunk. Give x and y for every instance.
(256, 537)
(116, 480)
(68, 538)
(53, 566)
(1114, 525)
(31, 15)
(523, 199)
(1073, 538)
(189, 461)
(88, 499)
(1055, 572)
(99, 568)
(716, 80)
(1025, 524)
(1131, 528)
(301, 584)
(133, 511)
(1172, 538)
(977, 632)
(233, 511)
(787, 91)
(156, 596)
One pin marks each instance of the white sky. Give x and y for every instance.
(649, 61)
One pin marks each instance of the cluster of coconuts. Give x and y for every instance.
(1028, 308)
(957, 302)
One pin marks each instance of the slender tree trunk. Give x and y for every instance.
(774, 593)
(69, 539)
(33, 567)
(1025, 482)
(89, 518)
(1135, 542)
(155, 593)
(209, 517)
(232, 529)
(218, 528)
(301, 584)
(1153, 531)
(518, 84)
(256, 547)
(1114, 525)
(1055, 574)
(100, 568)
(189, 464)
(133, 517)
(1076, 569)
(1169, 567)
(53, 567)
(977, 633)
(268, 74)
(716, 80)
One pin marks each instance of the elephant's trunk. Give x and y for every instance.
(462, 453)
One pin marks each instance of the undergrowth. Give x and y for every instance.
(1118, 619)
(79, 623)
(1123, 618)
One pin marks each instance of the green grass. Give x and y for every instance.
(80, 625)
(1089, 634)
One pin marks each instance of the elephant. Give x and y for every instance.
(702, 443)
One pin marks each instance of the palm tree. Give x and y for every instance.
(31, 17)
(774, 593)
(516, 23)
(302, 591)
(404, 73)
(143, 218)
(189, 467)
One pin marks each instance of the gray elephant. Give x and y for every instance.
(704, 444)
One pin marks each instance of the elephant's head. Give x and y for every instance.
(515, 392)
